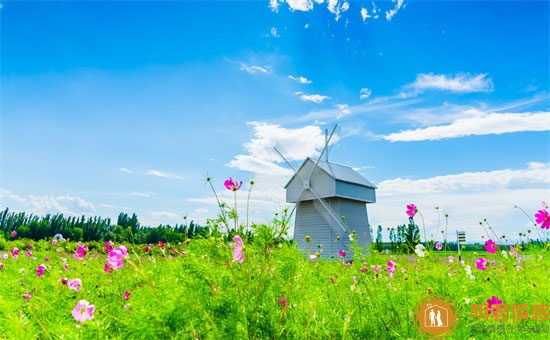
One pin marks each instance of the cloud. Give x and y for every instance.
(110, 206)
(40, 205)
(480, 124)
(163, 174)
(344, 110)
(143, 194)
(314, 98)
(274, 33)
(365, 14)
(253, 69)
(364, 93)
(126, 170)
(461, 82)
(336, 8)
(300, 79)
(166, 214)
(392, 12)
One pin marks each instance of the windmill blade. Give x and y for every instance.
(330, 221)
(329, 210)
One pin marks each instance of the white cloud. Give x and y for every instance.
(163, 174)
(365, 14)
(274, 33)
(167, 215)
(142, 194)
(110, 206)
(301, 79)
(314, 98)
(461, 82)
(392, 12)
(364, 93)
(344, 110)
(126, 170)
(481, 124)
(336, 8)
(274, 5)
(40, 205)
(253, 69)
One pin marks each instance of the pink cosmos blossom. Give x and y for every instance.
(40, 270)
(115, 257)
(65, 266)
(491, 246)
(450, 259)
(126, 295)
(74, 284)
(376, 269)
(29, 246)
(107, 268)
(5, 257)
(411, 210)
(514, 253)
(28, 253)
(480, 263)
(363, 270)
(182, 252)
(54, 242)
(83, 311)
(1, 266)
(14, 253)
(238, 253)
(331, 279)
(231, 184)
(543, 218)
(145, 250)
(27, 296)
(13, 233)
(109, 246)
(493, 301)
(438, 246)
(64, 281)
(161, 244)
(80, 251)
(46, 259)
(391, 268)
(282, 302)
(342, 253)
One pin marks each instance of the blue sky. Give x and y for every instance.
(126, 106)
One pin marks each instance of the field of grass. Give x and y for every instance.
(196, 291)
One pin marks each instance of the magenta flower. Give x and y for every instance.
(331, 279)
(115, 257)
(145, 250)
(543, 218)
(40, 270)
(80, 251)
(491, 246)
(126, 295)
(65, 266)
(481, 263)
(28, 253)
(493, 301)
(438, 246)
(182, 252)
(231, 184)
(109, 246)
(282, 302)
(238, 253)
(5, 257)
(74, 284)
(14, 253)
(391, 268)
(27, 296)
(1, 266)
(107, 268)
(46, 259)
(29, 246)
(54, 242)
(64, 281)
(161, 244)
(376, 269)
(342, 253)
(411, 210)
(83, 311)
(13, 233)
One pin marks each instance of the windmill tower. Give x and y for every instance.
(330, 203)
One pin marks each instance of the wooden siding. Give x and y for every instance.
(356, 192)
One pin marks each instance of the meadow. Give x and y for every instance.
(211, 288)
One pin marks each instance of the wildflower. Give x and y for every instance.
(182, 252)
(238, 254)
(450, 259)
(391, 268)
(352, 236)
(5, 257)
(491, 246)
(493, 301)
(59, 250)
(54, 242)
(46, 259)
(420, 250)
(83, 311)
(376, 269)
(14, 253)
(282, 302)
(481, 263)
(80, 251)
(40, 270)
(64, 281)
(29, 246)
(109, 246)
(1, 266)
(27, 296)
(504, 254)
(145, 250)
(468, 271)
(65, 266)
(543, 218)
(314, 256)
(231, 184)
(115, 257)
(411, 210)
(161, 244)
(13, 233)
(342, 253)
(438, 246)
(107, 268)
(74, 284)
(331, 279)
(126, 295)
(28, 253)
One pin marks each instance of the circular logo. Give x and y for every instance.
(436, 316)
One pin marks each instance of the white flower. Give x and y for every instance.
(420, 250)
(467, 301)
(351, 236)
(504, 254)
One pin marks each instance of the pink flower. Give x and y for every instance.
(83, 311)
(161, 244)
(493, 301)
(450, 259)
(64, 281)
(80, 251)
(29, 246)
(1, 266)
(145, 250)
(438, 246)
(65, 266)
(54, 242)
(5, 257)
(331, 279)
(182, 252)
(543, 218)
(376, 269)
(13, 233)
(27, 296)
(74, 284)
(491, 246)
(391, 268)
(46, 259)
(28, 253)
(282, 302)
(411, 210)
(109, 246)
(480, 263)
(231, 184)
(115, 257)
(126, 295)
(14, 253)
(238, 253)
(107, 268)
(342, 253)
(40, 270)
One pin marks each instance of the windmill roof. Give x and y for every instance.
(340, 173)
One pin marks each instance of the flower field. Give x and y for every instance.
(230, 288)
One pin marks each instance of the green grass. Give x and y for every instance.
(204, 295)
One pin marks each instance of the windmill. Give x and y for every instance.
(330, 204)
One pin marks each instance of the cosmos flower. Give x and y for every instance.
(438, 246)
(64, 281)
(109, 246)
(126, 295)
(481, 263)
(342, 253)
(80, 251)
(13, 233)
(40, 270)
(83, 311)
(27, 296)
(14, 253)
(543, 218)
(282, 302)
(65, 266)
(450, 259)
(231, 184)
(238, 253)
(54, 242)
(419, 250)
(493, 301)
(411, 210)
(1, 266)
(74, 284)
(391, 268)
(28, 253)
(115, 257)
(376, 269)
(5, 257)
(107, 268)
(491, 246)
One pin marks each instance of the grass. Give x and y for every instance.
(204, 295)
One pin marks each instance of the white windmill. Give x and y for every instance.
(330, 203)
